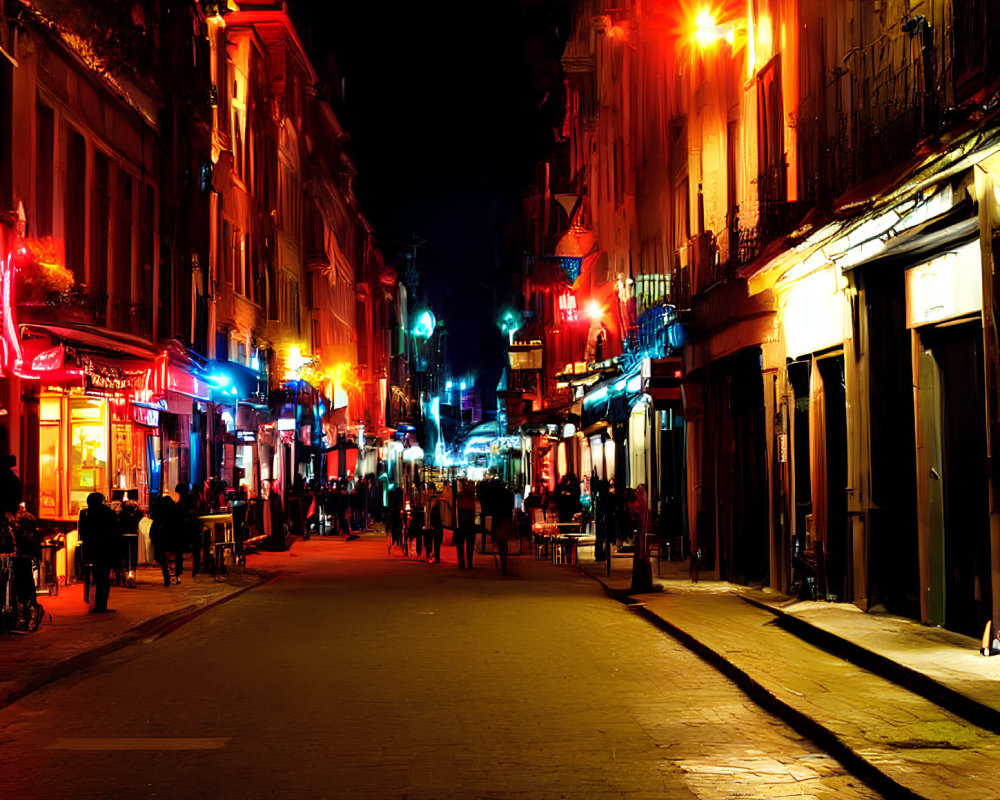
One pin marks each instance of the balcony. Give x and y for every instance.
(133, 318)
(74, 305)
(647, 311)
(651, 335)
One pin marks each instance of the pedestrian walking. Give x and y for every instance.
(189, 507)
(464, 535)
(418, 518)
(342, 510)
(166, 536)
(503, 523)
(396, 519)
(600, 500)
(129, 516)
(98, 531)
(567, 500)
(436, 529)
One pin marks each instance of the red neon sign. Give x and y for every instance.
(568, 312)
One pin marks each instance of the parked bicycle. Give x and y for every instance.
(20, 611)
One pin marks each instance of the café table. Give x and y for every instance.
(220, 530)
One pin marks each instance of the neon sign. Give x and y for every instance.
(568, 312)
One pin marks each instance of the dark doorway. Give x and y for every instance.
(893, 550)
(838, 551)
(958, 352)
(736, 468)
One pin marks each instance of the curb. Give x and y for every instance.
(760, 694)
(153, 628)
(949, 699)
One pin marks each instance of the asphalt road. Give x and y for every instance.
(362, 675)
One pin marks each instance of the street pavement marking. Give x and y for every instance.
(142, 743)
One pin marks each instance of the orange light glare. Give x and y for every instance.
(706, 30)
(594, 310)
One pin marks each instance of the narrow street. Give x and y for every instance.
(357, 674)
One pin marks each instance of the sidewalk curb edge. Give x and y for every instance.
(760, 694)
(949, 699)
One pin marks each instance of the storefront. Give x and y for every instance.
(90, 437)
(89, 444)
(943, 304)
(815, 321)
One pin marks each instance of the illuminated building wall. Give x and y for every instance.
(784, 201)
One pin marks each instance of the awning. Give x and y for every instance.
(231, 381)
(93, 337)
(599, 427)
(104, 363)
(923, 242)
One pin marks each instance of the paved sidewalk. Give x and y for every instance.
(74, 638)
(901, 741)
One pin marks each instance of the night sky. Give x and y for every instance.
(448, 105)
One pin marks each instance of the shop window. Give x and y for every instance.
(296, 309)
(76, 202)
(227, 252)
(239, 262)
(50, 457)
(123, 241)
(123, 463)
(43, 170)
(147, 236)
(100, 217)
(88, 450)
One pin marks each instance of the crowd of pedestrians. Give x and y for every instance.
(419, 513)
(341, 507)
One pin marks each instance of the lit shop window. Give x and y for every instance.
(568, 312)
(88, 449)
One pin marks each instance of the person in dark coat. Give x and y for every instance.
(189, 507)
(98, 532)
(129, 517)
(339, 504)
(395, 520)
(600, 500)
(11, 492)
(166, 535)
(432, 543)
(464, 535)
(565, 499)
(503, 523)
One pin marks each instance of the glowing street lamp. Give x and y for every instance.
(594, 310)
(426, 323)
(707, 31)
(510, 324)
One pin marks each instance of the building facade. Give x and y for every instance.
(190, 288)
(797, 199)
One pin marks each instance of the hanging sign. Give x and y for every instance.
(149, 417)
(568, 312)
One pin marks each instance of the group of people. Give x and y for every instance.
(415, 514)
(420, 512)
(349, 506)
(176, 531)
(102, 530)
